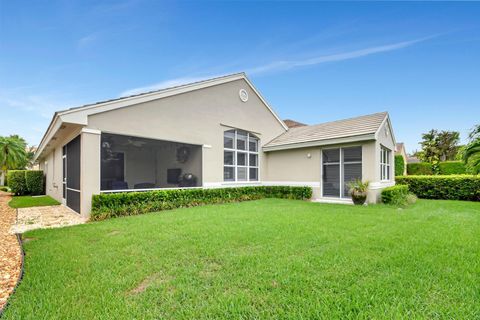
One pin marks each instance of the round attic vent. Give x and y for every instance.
(243, 94)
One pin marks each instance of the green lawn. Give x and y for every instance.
(261, 259)
(32, 201)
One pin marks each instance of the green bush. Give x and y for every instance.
(23, 182)
(452, 187)
(419, 168)
(4, 189)
(16, 182)
(452, 167)
(399, 165)
(34, 182)
(109, 205)
(395, 195)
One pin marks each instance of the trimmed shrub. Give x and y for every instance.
(110, 205)
(452, 187)
(16, 182)
(34, 182)
(399, 165)
(452, 167)
(4, 189)
(419, 168)
(395, 195)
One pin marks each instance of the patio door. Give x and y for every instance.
(339, 167)
(71, 169)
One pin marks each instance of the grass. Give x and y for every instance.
(260, 259)
(32, 201)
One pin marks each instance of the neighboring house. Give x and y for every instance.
(214, 133)
(293, 123)
(413, 159)
(400, 151)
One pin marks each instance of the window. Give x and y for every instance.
(240, 156)
(340, 166)
(385, 170)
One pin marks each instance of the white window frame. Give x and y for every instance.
(247, 151)
(385, 164)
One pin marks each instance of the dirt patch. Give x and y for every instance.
(155, 278)
(114, 232)
(28, 239)
(210, 269)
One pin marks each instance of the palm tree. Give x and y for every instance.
(12, 153)
(471, 154)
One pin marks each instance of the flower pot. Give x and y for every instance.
(359, 198)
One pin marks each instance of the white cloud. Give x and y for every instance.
(87, 40)
(283, 65)
(291, 64)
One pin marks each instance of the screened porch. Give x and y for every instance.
(133, 163)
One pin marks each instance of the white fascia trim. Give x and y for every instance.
(92, 131)
(265, 103)
(84, 112)
(390, 128)
(320, 143)
(157, 94)
(52, 129)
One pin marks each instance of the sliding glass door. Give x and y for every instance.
(339, 167)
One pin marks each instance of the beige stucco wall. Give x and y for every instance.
(198, 117)
(304, 165)
(90, 169)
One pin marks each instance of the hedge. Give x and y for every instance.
(16, 182)
(34, 181)
(110, 205)
(395, 195)
(452, 167)
(23, 182)
(452, 187)
(419, 168)
(399, 165)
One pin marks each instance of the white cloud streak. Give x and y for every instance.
(284, 65)
(291, 64)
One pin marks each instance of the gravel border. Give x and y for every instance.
(11, 252)
(20, 277)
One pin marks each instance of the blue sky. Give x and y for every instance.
(313, 62)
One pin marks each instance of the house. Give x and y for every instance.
(400, 151)
(214, 133)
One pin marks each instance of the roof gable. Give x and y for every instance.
(358, 128)
(79, 115)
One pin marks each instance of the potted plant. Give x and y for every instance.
(358, 191)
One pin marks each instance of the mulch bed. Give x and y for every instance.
(10, 251)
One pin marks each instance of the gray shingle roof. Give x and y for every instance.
(362, 125)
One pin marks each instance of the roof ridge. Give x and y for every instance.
(347, 119)
(154, 91)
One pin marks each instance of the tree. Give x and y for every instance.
(439, 146)
(430, 152)
(447, 144)
(471, 154)
(12, 154)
